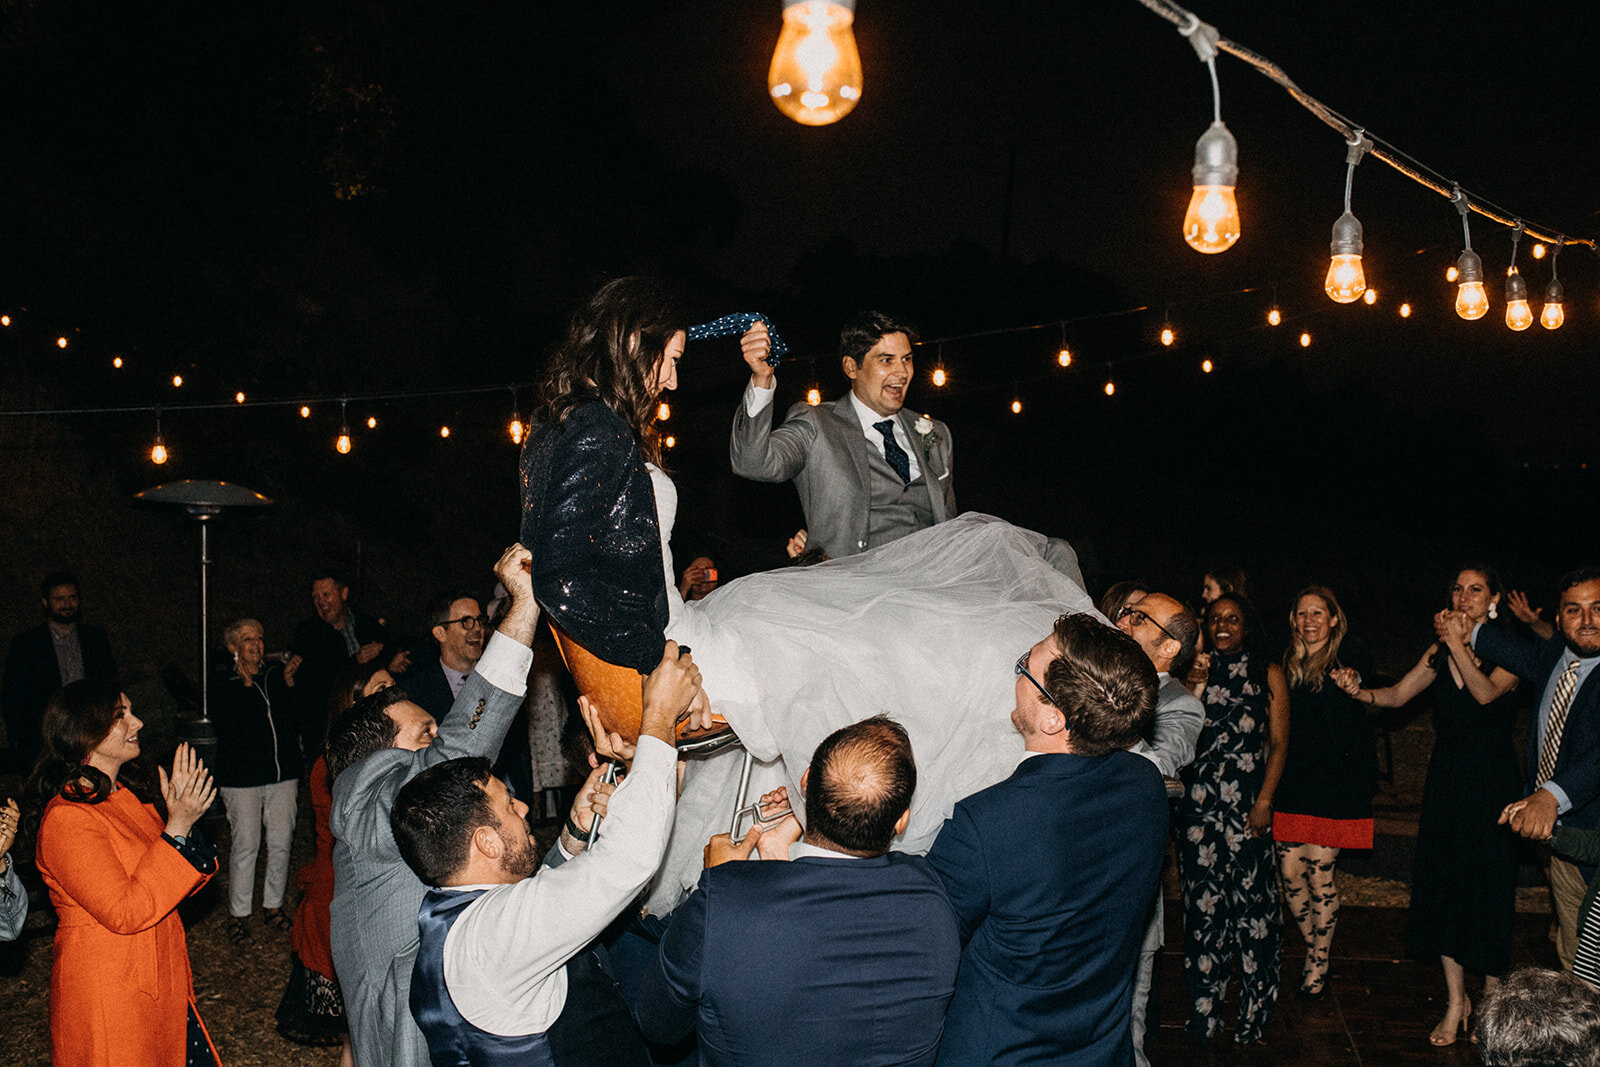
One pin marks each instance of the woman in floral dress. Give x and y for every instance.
(1231, 915)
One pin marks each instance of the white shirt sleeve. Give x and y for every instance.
(756, 398)
(505, 958)
(505, 664)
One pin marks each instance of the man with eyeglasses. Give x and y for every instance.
(1167, 632)
(459, 627)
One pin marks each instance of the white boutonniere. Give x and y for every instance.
(924, 428)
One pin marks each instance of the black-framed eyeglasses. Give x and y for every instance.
(1022, 669)
(468, 623)
(1141, 617)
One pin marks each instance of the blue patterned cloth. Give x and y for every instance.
(736, 324)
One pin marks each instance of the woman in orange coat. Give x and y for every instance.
(118, 853)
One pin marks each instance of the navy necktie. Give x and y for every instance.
(892, 451)
(736, 324)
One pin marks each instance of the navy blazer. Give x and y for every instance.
(814, 961)
(32, 677)
(1052, 873)
(1578, 760)
(428, 688)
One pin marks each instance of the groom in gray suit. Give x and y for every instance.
(374, 748)
(868, 471)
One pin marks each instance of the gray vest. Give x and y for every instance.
(898, 508)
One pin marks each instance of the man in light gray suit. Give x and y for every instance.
(1167, 631)
(868, 471)
(374, 748)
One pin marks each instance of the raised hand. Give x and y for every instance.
(9, 816)
(1517, 600)
(188, 790)
(291, 668)
(755, 345)
(670, 691)
(1346, 679)
(515, 571)
(593, 798)
(722, 848)
(796, 545)
(778, 834)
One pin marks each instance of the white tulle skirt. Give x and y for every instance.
(926, 630)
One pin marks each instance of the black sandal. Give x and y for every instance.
(238, 931)
(275, 918)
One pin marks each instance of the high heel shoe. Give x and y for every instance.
(1442, 1037)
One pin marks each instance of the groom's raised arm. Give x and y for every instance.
(477, 722)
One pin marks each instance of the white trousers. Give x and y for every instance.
(249, 809)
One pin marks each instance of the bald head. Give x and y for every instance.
(1164, 628)
(858, 787)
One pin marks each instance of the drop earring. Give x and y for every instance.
(1493, 610)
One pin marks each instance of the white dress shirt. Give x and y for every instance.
(756, 400)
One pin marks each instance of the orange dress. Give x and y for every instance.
(310, 937)
(121, 989)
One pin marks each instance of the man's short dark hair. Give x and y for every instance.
(439, 614)
(333, 574)
(436, 813)
(1589, 573)
(364, 728)
(1103, 683)
(862, 778)
(866, 329)
(55, 579)
(1538, 1018)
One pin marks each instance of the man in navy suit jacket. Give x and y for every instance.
(1571, 790)
(845, 955)
(1052, 871)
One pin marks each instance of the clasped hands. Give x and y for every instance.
(1534, 816)
(771, 840)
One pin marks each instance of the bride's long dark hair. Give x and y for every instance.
(76, 720)
(610, 353)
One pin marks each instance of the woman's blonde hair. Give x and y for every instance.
(1302, 666)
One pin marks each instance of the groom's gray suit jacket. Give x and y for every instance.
(376, 897)
(823, 449)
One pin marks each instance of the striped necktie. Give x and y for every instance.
(1560, 704)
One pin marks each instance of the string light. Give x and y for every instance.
(1016, 407)
(1451, 273)
(1370, 297)
(158, 450)
(116, 361)
(1167, 336)
(5, 320)
(238, 398)
(1346, 280)
(1111, 387)
(1206, 365)
(1305, 340)
(341, 444)
(1405, 311)
(1471, 300)
(517, 430)
(815, 77)
(1274, 317)
(814, 395)
(939, 377)
(177, 381)
(372, 422)
(1211, 224)
(671, 441)
(1519, 316)
(1551, 316)
(444, 431)
(664, 412)
(305, 411)
(61, 342)
(1539, 250)
(1064, 357)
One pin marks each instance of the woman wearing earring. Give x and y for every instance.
(1463, 888)
(1324, 802)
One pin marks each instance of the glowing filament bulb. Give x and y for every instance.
(158, 452)
(444, 431)
(1305, 340)
(1551, 316)
(815, 77)
(1016, 407)
(1451, 273)
(1370, 296)
(1167, 336)
(1274, 317)
(939, 377)
(1405, 311)
(238, 398)
(814, 395)
(372, 422)
(61, 342)
(664, 412)
(1206, 365)
(1472, 302)
(342, 445)
(1111, 387)
(5, 320)
(1064, 357)
(177, 381)
(1346, 280)
(671, 442)
(1538, 251)
(305, 411)
(116, 361)
(517, 429)
(1211, 224)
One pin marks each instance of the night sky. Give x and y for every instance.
(302, 199)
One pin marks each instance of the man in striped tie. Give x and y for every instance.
(1563, 753)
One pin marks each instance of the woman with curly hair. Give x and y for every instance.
(119, 851)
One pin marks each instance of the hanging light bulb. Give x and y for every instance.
(1451, 273)
(61, 342)
(516, 429)
(1305, 340)
(5, 320)
(815, 77)
(341, 444)
(1538, 250)
(372, 422)
(238, 398)
(177, 381)
(1471, 300)
(1167, 336)
(1111, 387)
(1519, 316)
(305, 411)
(1346, 280)
(1369, 297)
(1016, 407)
(158, 449)
(116, 361)
(1551, 316)
(1211, 224)
(1064, 357)
(1206, 365)
(814, 395)
(939, 377)
(1274, 317)
(1405, 311)
(671, 442)
(664, 412)
(444, 431)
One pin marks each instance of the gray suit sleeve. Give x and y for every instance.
(1179, 717)
(13, 903)
(762, 454)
